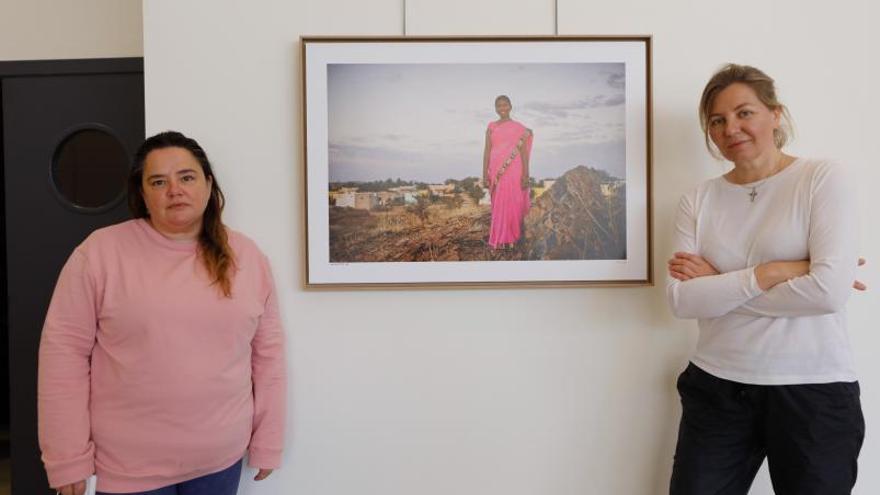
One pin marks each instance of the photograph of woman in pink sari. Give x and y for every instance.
(506, 174)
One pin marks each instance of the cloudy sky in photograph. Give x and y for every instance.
(427, 122)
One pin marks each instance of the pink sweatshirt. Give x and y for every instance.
(148, 375)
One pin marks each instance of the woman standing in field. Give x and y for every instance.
(506, 174)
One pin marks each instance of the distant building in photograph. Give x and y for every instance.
(347, 197)
(366, 200)
(612, 188)
(486, 199)
(386, 198)
(403, 189)
(546, 185)
(342, 199)
(442, 190)
(408, 193)
(410, 198)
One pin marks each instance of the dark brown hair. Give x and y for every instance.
(213, 240)
(763, 86)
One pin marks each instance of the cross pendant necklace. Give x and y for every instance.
(780, 164)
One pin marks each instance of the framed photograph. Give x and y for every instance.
(480, 162)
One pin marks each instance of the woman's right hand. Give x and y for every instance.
(78, 488)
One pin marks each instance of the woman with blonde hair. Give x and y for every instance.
(765, 257)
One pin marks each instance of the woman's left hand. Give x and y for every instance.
(524, 182)
(263, 474)
(685, 266)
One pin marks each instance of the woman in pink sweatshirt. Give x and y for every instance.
(162, 354)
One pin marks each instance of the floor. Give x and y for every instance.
(4, 463)
(4, 477)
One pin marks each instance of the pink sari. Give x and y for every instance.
(510, 202)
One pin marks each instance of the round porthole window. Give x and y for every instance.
(89, 169)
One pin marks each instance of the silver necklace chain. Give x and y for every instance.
(753, 187)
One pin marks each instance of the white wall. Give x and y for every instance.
(526, 391)
(52, 29)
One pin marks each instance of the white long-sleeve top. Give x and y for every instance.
(796, 331)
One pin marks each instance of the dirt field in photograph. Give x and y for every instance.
(580, 217)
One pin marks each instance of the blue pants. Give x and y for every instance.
(220, 483)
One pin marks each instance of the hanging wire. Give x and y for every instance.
(555, 15)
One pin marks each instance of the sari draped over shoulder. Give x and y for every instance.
(510, 202)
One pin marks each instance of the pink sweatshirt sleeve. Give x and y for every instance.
(270, 384)
(63, 380)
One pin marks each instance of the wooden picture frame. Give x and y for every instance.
(413, 177)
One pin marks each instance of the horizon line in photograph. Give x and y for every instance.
(447, 180)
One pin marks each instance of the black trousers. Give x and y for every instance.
(810, 434)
